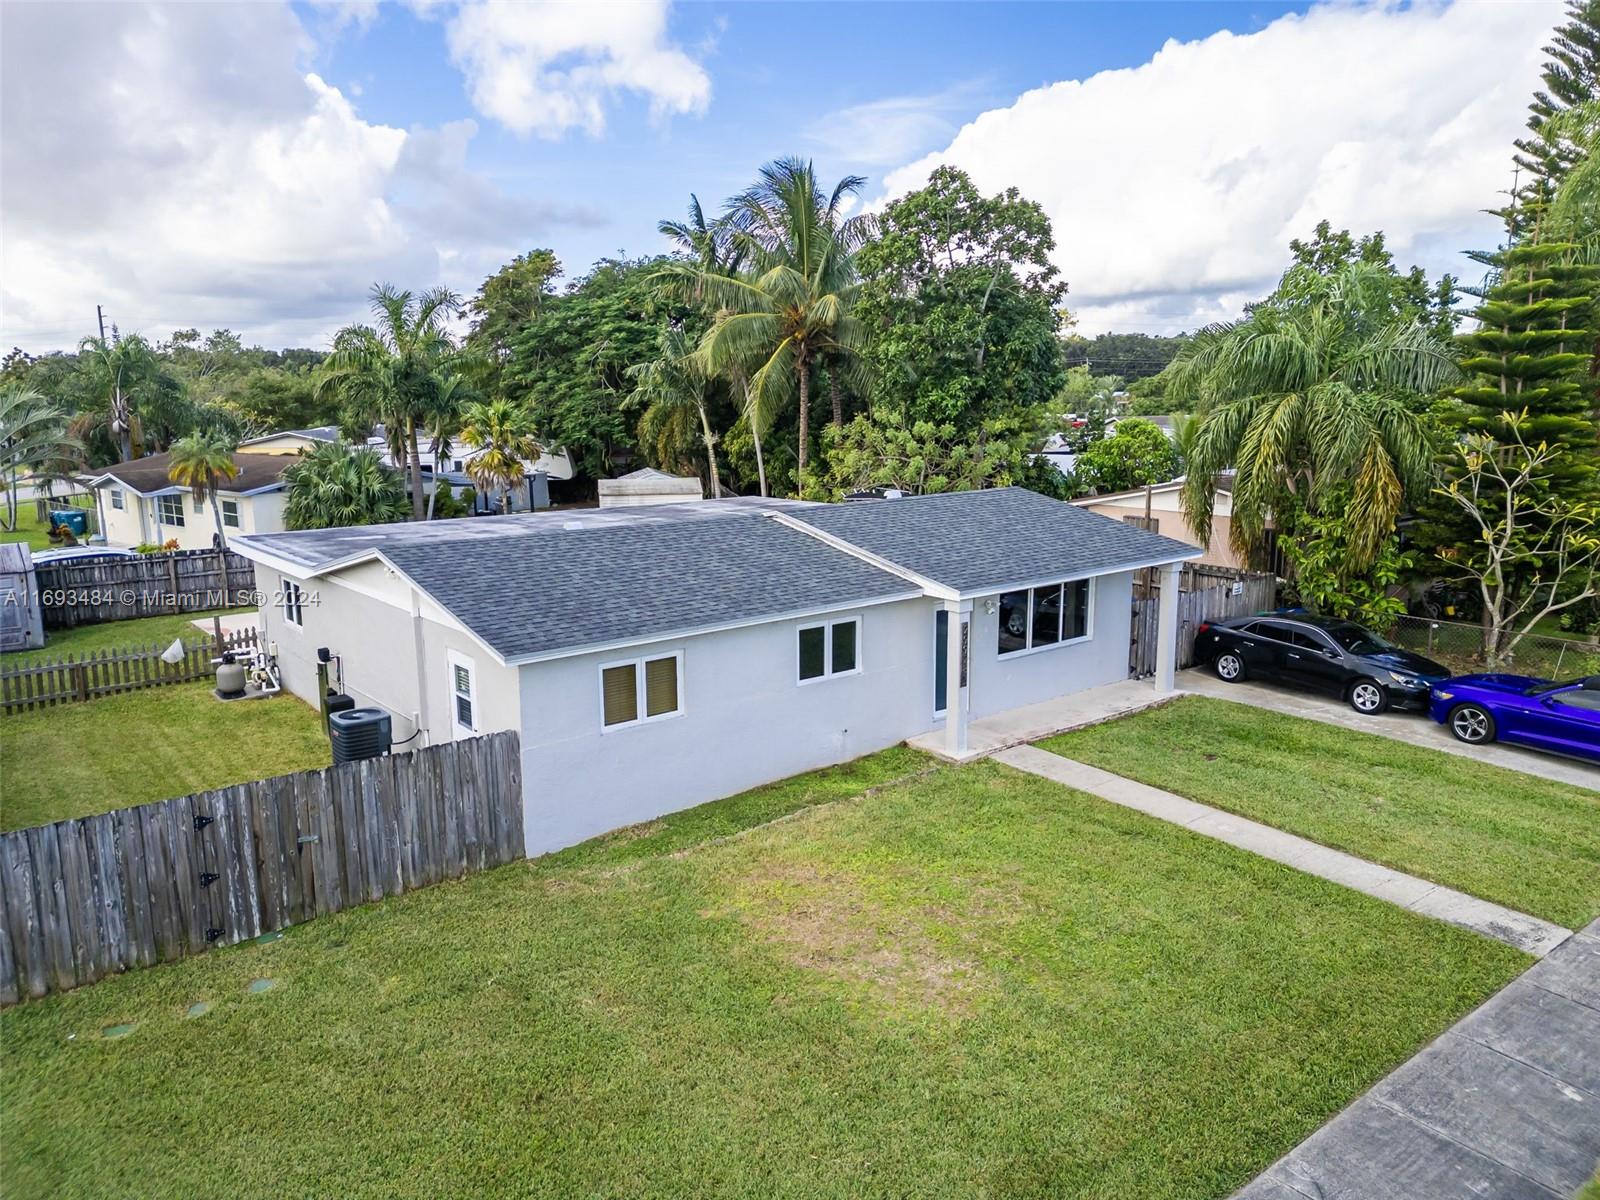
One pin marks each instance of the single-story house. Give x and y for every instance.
(1159, 508)
(138, 502)
(655, 658)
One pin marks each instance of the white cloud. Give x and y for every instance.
(549, 66)
(193, 175)
(889, 130)
(1174, 187)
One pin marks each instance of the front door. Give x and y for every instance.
(941, 661)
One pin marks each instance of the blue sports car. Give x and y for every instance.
(1543, 714)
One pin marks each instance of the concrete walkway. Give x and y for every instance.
(1034, 721)
(1536, 936)
(1416, 729)
(1505, 1104)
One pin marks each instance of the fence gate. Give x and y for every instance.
(1205, 593)
(1142, 642)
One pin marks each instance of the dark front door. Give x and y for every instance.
(941, 659)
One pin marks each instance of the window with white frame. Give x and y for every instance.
(463, 694)
(831, 648)
(169, 510)
(199, 504)
(230, 513)
(116, 499)
(1052, 615)
(646, 689)
(292, 602)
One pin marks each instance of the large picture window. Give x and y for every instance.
(169, 510)
(832, 648)
(646, 689)
(1033, 618)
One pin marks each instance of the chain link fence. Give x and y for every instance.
(1459, 646)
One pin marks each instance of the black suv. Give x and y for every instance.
(1320, 654)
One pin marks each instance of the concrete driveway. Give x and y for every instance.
(1416, 728)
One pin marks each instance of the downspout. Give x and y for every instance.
(419, 648)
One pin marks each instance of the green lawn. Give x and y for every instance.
(29, 528)
(75, 759)
(1521, 841)
(116, 635)
(973, 982)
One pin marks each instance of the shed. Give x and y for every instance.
(649, 486)
(21, 619)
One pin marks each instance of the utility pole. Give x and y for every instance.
(101, 317)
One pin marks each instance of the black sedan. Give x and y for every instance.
(1319, 654)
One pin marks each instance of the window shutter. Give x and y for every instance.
(844, 647)
(660, 686)
(620, 689)
(813, 660)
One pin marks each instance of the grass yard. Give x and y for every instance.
(971, 982)
(29, 528)
(117, 635)
(76, 759)
(1524, 842)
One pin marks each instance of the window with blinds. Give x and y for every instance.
(646, 689)
(832, 648)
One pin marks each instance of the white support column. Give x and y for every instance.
(1167, 629)
(956, 673)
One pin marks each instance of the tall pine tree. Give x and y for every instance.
(1532, 351)
(1570, 75)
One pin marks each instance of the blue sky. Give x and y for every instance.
(258, 166)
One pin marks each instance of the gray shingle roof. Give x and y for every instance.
(602, 585)
(984, 541)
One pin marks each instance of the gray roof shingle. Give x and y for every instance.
(567, 589)
(984, 541)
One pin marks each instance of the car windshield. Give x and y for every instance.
(1540, 689)
(1357, 640)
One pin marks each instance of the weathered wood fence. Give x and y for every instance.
(1205, 593)
(149, 585)
(87, 898)
(76, 678)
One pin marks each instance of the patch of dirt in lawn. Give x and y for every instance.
(827, 922)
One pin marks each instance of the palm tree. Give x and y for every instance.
(334, 484)
(390, 372)
(1303, 398)
(675, 385)
(502, 435)
(792, 309)
(122, 371)
(33, 438)
(444, 423)
(202, 462)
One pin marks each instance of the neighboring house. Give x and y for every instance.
(656, 658)
(532, 493)
(138, 502)
(1163, 504)
(290, 441)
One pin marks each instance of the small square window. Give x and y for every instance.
(829, 649)
(230, 513)
(646, 689)
(116, 499)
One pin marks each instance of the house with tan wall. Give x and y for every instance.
(1162, 503)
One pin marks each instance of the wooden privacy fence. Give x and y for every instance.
(87, 898)
(1205, 593)
(76, 678)
(149, 585)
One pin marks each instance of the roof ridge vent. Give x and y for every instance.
(572, 524)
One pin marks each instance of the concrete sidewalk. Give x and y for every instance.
(1034, 721)
(1505, 1104)
(1528, 933)
(1415, 729)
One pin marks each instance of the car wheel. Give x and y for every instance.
(1368, 698)
(1472, 724)
(1230, 667)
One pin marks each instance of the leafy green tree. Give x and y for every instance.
(961, 302)
(389, 372)
(334, 484)
(1571, 77)
(501, 435)
(271, 399)
(203, 462)
(33, 439)
(1389, 296)
(920, 457)
(791, 312)
(1133, 356)
(1312, 393)
(1138, 453)
(1320, 557)
(676, 388)
(570, 367)
(507, 303)
(1531, 353)
(124, 375)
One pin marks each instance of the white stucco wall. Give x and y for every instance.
(998, 682)
(365, 616)
(746, 721)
